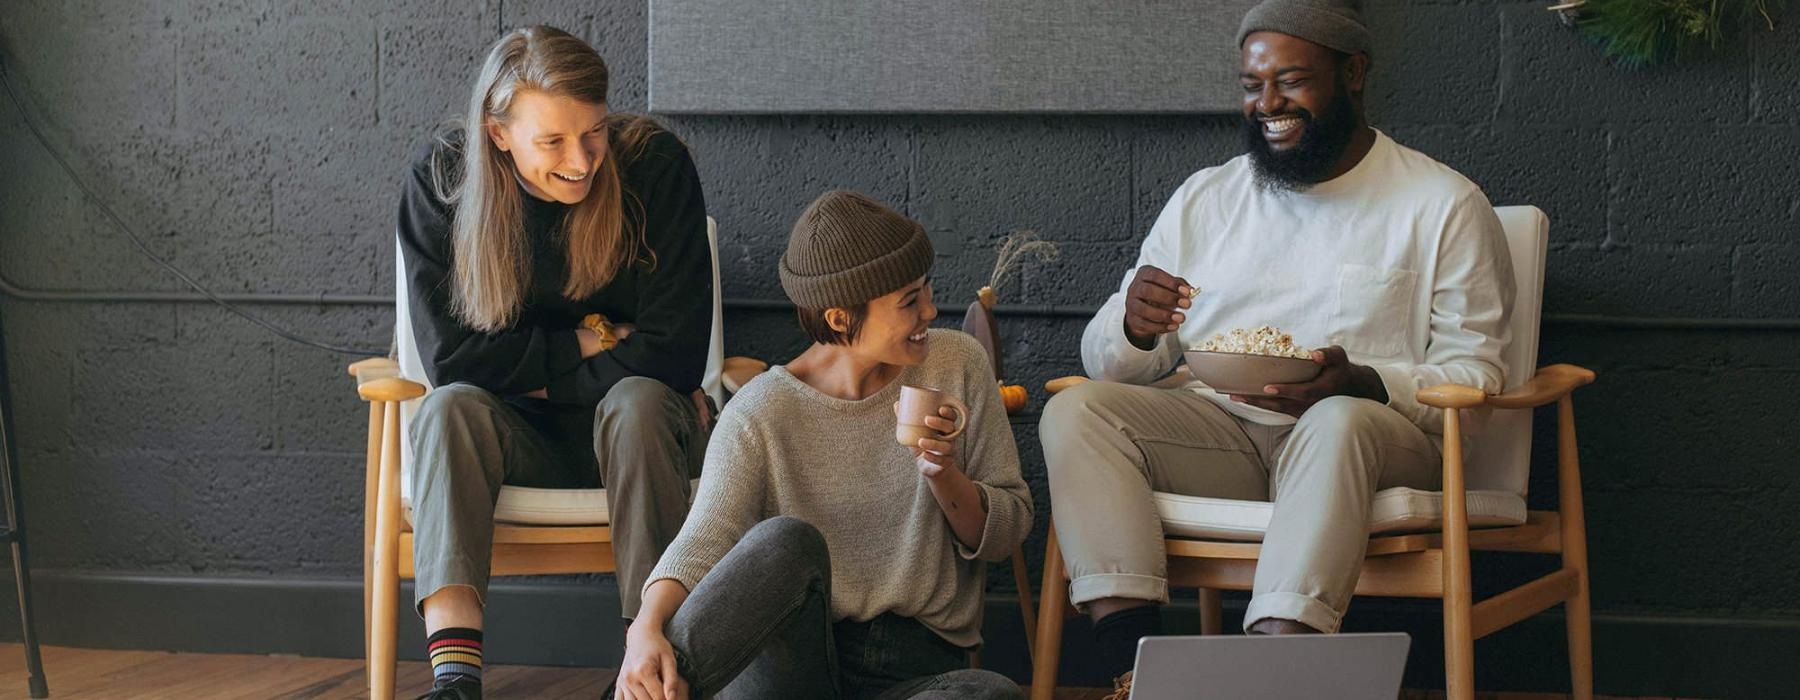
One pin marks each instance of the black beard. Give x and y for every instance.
(1308, 162)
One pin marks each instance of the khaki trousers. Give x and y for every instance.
(643, 442)
(1109, 446)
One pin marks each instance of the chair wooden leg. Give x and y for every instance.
(384, 608)
(371, 496)
(1211, 611)
(1574, 553)
(1052, 598)
(1459, 635)
(1027, 610)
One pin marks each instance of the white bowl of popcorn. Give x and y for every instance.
(1243, 361)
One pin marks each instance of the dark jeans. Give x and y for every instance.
(759, 626)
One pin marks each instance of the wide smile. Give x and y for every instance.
(918, 337)
(1281, 128)
(575, 178)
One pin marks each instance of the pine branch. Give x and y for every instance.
(1644, 32)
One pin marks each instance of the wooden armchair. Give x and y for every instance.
(537, 531)
(1420, 548)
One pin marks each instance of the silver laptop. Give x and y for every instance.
(1277, 667)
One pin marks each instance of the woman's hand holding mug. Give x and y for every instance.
(928, 422)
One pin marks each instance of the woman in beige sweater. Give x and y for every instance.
(821, 558)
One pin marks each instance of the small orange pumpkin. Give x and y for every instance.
(1013, 397)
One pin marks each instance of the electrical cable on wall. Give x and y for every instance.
(44, 141)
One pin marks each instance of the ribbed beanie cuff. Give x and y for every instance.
(1334, 24)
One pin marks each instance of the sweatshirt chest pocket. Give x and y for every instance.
(1374, 309)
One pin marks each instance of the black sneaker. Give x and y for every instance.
(454, 691)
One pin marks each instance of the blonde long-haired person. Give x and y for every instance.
(542, 209)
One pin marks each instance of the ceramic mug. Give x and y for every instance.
(918, 403)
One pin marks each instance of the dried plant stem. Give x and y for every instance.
(1015, 249)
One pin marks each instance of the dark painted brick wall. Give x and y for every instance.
(258, 144)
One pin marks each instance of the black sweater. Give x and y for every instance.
(670, 301)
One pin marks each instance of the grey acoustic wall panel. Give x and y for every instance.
(1119, 56)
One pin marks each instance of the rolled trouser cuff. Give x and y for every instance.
(1303, 609)
(433, 576)
(1092, 587)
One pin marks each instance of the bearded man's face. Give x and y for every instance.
(1298, 112)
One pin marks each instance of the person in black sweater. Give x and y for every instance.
(560, 294)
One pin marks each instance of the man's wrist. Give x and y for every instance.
(1372, 386)
(1145, 343)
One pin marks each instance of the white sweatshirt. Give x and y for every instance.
(1401, 261)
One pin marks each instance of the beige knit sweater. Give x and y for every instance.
(783, 448)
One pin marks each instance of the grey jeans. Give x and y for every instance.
(1108, 446)
(643, 443)
(759, 626)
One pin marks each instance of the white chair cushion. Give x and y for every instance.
(1395, 511)
(525, 505)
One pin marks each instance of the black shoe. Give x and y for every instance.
(454, 691)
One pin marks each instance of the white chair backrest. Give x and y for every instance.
(412, 363)
(1500, 449)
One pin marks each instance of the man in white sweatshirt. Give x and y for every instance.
(1390, 263)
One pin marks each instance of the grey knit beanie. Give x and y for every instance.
(1334, 24)
(847, 249)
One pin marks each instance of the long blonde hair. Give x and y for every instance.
(492, 265)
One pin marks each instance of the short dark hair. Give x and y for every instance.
(812, 322)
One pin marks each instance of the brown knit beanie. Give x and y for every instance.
(1333, 24)
(847, 249)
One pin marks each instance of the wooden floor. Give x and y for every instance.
(156, 675)
(105, 673)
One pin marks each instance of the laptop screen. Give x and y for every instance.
(1269, 667)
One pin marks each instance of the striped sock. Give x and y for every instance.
(455, 656)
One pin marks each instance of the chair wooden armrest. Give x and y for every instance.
(390, 389)
(1449, 396)
(378, 379)
(369, 365)
(1547, 386)
(738, 371)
